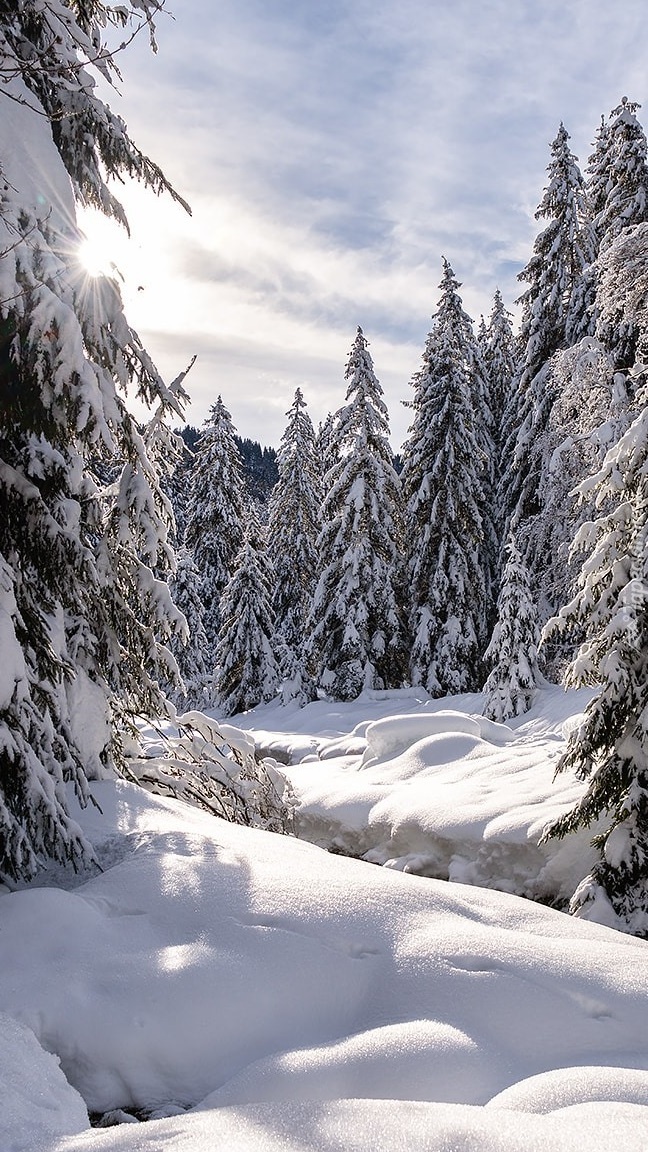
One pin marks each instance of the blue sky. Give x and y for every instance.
(332, 154)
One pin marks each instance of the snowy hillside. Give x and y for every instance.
(244, 990)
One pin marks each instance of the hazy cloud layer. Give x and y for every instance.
(332, 154)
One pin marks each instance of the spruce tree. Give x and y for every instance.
(326, 444)
(622, 204)
(513, 649)
(246, 669)
(561, 252)
(82, 614)
(191, 649)
(501, 359)
(609, 749)
(442, 476)
(588, 415)
(357, 630)
(621, 176)
(214, 528)
(293, 529)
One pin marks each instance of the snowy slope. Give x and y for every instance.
(250, 991)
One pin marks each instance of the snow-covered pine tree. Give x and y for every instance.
(186, 592)
(560, 254)
(442, 483)
(214, 529)
(623, 196)
(246, 669)
(481, 339)
(622, 203)
(357, 636)
(597, 172)
(609, 749)
(81, 613)
(587, 417)
(581, 314)
(177, 490)
(293, 529)
(486, 430)
(501, 359)
(513, 650)
(326, 444)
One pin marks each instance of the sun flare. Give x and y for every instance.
(103, 247)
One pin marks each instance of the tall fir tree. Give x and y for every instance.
(619, 179)
(609, 749)
(293, 529)
(501, 359)
(442, 476)
(81, 612)
(246, 669)
(191, 649)
(214, 529)
(326, 444)
(357, 630)
(513, 650)
(561, 252)
(624, 206)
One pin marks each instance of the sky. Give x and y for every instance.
(332, 155)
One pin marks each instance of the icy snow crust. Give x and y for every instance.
(250, 991)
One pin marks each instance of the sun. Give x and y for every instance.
(103, 247)
(94, 258)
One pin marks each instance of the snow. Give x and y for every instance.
(30, 164)
(436, 790)
(36, 1097)
(238, 989)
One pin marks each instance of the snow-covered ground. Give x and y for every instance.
(432, 787)
(244, 990)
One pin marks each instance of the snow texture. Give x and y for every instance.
(244, 990)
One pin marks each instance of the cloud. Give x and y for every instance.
(333, 153)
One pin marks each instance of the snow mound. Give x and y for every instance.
(567, 1087)
(389, 737)
(37, 1105)
(378, 1126)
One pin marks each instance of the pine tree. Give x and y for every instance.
(587, 417)
(561, 252)
(622, 203)
(598, 165)
(486, 387)
(501, 359)
(215, 514)
(246, 669)
(191, 649)
(357, 639)
(609, 750)
(326, 444)
(622, 200)
(442, 483)
(81, 612)
(513, 649)
(293, 529)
